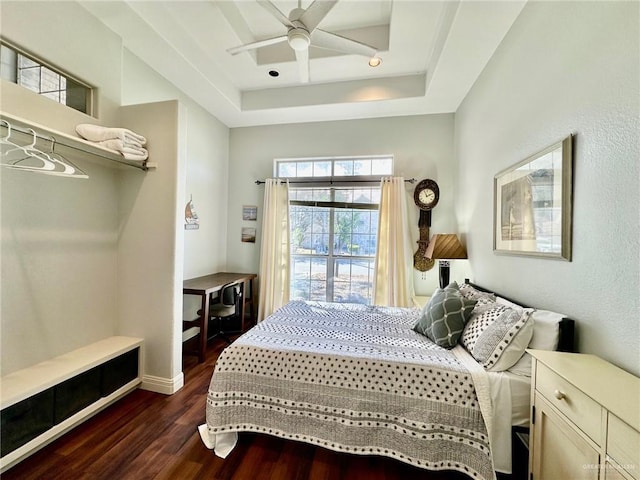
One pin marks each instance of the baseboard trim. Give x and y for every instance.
(166, 386)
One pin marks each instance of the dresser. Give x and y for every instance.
(585, 419)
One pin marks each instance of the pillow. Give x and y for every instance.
(472, 293)
(546, 330)
(444, 316)
(497, 335)
(546, 334)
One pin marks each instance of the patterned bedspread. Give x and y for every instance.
(351, 378)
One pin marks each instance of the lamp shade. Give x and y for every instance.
(446, 247)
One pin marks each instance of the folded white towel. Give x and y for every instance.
(97, 133)
(121, 146)
(135, 156)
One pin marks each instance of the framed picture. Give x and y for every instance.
(248, 235)
(249, 212)
(533, 203)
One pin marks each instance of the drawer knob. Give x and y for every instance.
(559, 394)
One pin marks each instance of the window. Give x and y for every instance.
(334, 223)
(22, 69)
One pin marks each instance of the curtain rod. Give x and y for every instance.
(336, 180)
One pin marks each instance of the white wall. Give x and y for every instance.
(207, 153)
(59, 240)
(565, 67)
(207, 170)
(59, 236)
(49, 224)
(422, 147)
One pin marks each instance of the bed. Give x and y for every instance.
(359, 379)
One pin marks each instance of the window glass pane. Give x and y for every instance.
(366, 244)
(361, 221)
(8, 64)
(49, 80)
(300, 278)
(308, 278)
(25, 62)
(362, 167)
(342, 231)
(305, 194)
(320, 220)
(45, 81)
(343, 168)
(76, 96)
(320, 244)
(322, 169)
(353, 280)
(305, 169)
(300, 229)
(286, 169)
(344, 195)
(322, 194)
(381, 166)
(364, 195)
(318, 291)
(30, 78)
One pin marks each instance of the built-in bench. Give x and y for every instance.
(40, 403)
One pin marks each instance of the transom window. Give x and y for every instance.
(334, 226)
(335, 167)
(35, 75)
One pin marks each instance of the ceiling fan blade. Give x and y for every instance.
(316, 12)
(302, 56)
(258, 44)
(331, 41)
(273, 10)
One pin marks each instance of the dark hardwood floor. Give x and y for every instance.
(152, 436)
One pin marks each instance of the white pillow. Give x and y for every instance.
(546, 334)
(546, 330)
(497, 335)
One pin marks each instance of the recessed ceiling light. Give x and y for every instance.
(274, 73)
(375, 61)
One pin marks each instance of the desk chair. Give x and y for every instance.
(226, 308)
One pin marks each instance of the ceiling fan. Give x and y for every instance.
(302, 32)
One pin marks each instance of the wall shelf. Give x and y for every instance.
(76, 145)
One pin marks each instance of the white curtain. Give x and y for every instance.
(274, 251)
(393, 281)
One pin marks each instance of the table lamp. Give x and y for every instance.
(445, 247)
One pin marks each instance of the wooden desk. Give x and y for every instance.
(205, 286)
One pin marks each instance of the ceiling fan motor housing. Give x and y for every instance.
(298, 38)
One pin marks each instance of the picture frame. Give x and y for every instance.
(250, 213)
(533, 203)
(248, 235)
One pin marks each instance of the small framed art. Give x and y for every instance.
(250, 212)
(248, 235)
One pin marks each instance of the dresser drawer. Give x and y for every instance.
(572, 402)
(623, 445)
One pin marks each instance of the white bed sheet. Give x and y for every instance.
(509, 393)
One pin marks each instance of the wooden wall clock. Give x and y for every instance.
(425, 196)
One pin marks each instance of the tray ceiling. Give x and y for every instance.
(432, 52)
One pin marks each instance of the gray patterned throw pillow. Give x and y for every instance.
(483, 298)
(444, 317)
